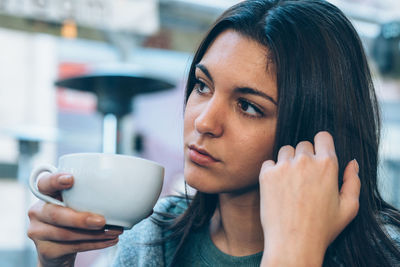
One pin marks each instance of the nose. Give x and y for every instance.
(210, 121)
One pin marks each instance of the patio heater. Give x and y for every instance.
(115, 93)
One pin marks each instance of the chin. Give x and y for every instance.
(198, 182)
(201, 182)
(211, 186)
(210, 181)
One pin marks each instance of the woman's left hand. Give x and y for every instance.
(302, 210)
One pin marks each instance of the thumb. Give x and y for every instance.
(350, 192)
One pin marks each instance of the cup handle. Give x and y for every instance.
(33, 184)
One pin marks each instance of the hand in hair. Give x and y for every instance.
(302, 210)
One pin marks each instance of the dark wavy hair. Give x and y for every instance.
(324, 83)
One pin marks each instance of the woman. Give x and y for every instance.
(281, 135)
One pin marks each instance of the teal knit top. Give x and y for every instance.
(199, 250)
(137, 247)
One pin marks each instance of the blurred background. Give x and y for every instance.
(108, 76)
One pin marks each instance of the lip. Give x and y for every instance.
(200, 156)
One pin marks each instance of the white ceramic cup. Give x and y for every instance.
(124, 189)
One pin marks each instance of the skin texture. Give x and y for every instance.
(301, 209)
(291, 209)
(311, 211)
(59, 232)
(218, 119)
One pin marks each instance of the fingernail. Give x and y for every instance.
(112, 232)
(65, 179)
(113, 228)
(95, 221)
(356, 166)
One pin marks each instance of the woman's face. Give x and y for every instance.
(230, 116)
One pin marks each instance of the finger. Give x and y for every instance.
(351, 182)
(304, 147)
(285, 153)
(67, 217)
(51, 184)
(86, 246)
(324, 145)
(350, 192)
(48, 232)
(50, 249)
(267, 164)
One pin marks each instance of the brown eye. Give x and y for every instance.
(201, 88)
(249, 109)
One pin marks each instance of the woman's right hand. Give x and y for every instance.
(59, 233)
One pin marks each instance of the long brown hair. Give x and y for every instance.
(324, 83)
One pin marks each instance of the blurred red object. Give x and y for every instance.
(71, 100)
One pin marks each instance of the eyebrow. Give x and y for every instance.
(205, 71)
(251, 91)
(241, 90)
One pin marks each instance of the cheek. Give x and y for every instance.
(252, 151)
(188, 120)
(249, 166)
(192, 110)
